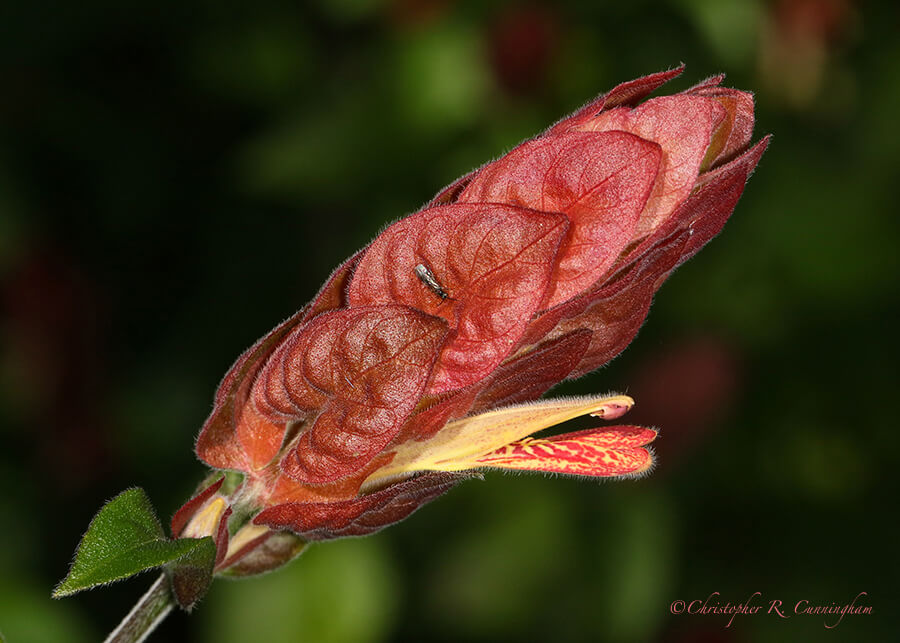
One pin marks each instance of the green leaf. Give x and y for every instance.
(123, 539)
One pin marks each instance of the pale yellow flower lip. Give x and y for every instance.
(206, 521)
(499, 439)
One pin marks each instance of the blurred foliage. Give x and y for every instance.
(176, 178)
(354, 598)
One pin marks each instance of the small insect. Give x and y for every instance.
(428, 278)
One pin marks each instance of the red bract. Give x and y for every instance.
(396, 381)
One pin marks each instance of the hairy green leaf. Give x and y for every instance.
(123, 539)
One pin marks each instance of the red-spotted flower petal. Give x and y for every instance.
(596, 453)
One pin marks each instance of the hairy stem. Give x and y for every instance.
(147, 613)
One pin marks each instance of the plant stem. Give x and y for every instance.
(147, 613)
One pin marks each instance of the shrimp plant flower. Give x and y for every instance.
(422, 360)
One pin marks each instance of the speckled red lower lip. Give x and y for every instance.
(596, 453)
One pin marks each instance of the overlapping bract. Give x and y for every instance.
(537, 267)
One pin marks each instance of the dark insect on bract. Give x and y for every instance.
(428, 278)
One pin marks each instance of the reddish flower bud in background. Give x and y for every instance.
(418, 362)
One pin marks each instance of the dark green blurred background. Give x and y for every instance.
(175, 180)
